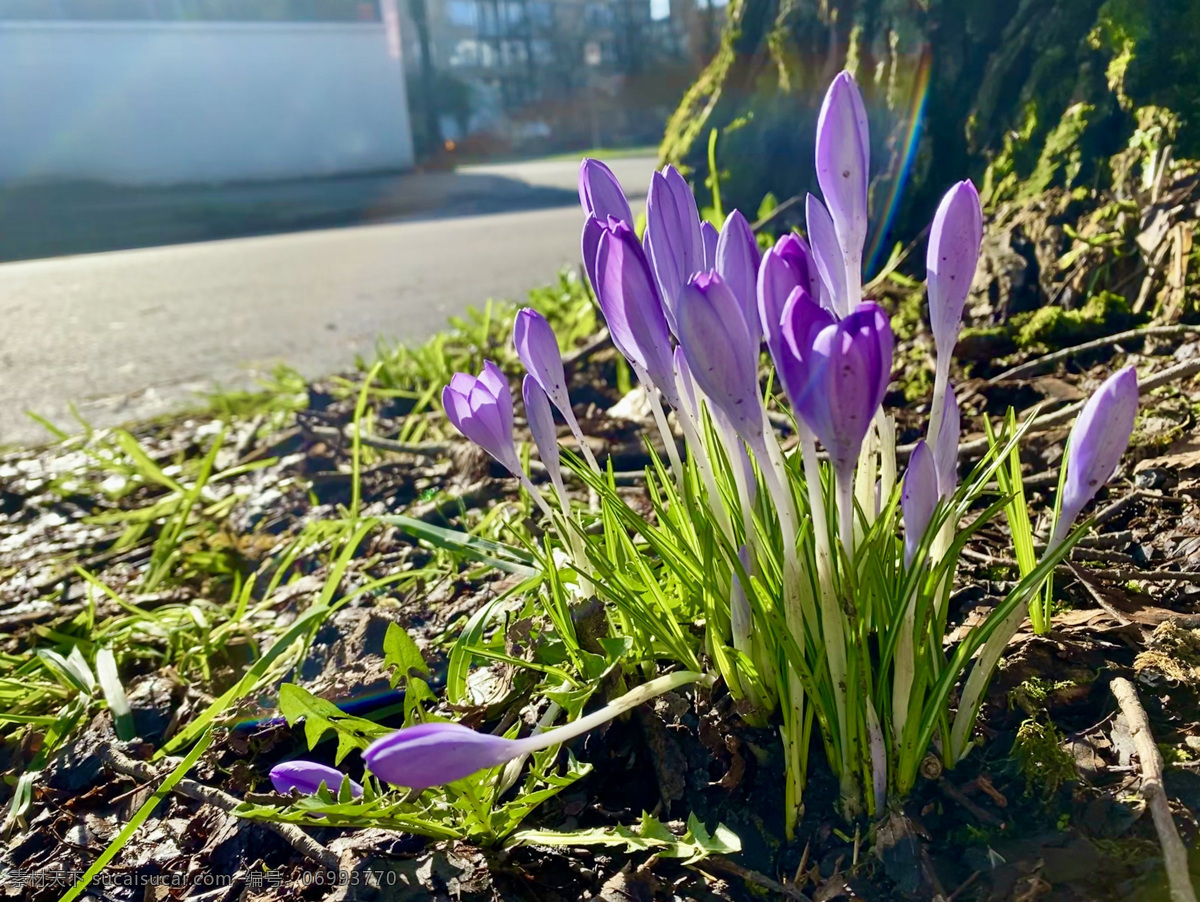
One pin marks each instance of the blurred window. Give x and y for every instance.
(193, 10)
(463, 13)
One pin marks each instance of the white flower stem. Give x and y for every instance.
(573, 425)
(664, 427)
(615, 708)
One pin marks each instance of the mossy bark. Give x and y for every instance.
(1041, 89)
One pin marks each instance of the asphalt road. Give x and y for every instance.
(133, 333)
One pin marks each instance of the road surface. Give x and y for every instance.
(132, 333)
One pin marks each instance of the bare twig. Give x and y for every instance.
(1032, 366)
(293, 835)
(595, 343)
(717, 863)
(1175, 857)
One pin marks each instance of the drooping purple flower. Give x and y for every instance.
(945, 451)
(632, 307)
(827, 255)
(784, 268)
(600, 194)
(674, 242)
(918, 498)
(432, 754)
(307, 776)
(851, 364)
(802, 320)
(541, 424)
(481, 408)
(737, 261)
(843, 169)
(708, 240)
(1097, 442)
(720, 353)
(953, 254)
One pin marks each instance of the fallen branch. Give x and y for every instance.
(1032, 366)
(1175, 857)
(293, 835)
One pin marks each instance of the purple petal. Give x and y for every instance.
(593, 228)
(484, 413)
(737, 260)
(673, 239)
(306, 777)
(945, 451)
(953, 254)
(601, 194)
(918, 498)
(827, 255)
(541, 424)
(631, 306)
(785, 267)
(538, 349)
(708, 240)
(493, 379)
(433, 754)
(1098, 440)
(803, 320)
(462, 383)
(721, 355)
(843, 162)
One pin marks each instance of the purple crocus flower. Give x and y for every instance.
(306, 777)
(722, 356)
(802, 320)
(945, 451)
(432, 754)
(541, 424)
(918, 498)
(632, 307)
(784, 268)
(674, 242)
(708, 240)
(736, 261)
(537, 347)
(827, 255)
(851, 363)
(1098, 439)
(843, 165)
(481, 408)
(600, 194)
(953, 254)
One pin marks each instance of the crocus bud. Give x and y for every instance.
(631, 305)
(850, 369)
(541, 424)
(737, 260)
(708, 240)
(537, 347)
(306, 777)
(785, 267)
(482, 409)
(802, 321)
(1098, 439)
(431, 754)
(827, 255)
(843, 164)
(945, 451)
(674, 242)
(601, 194)
(953, 254)
(720, 353)
(918, 498)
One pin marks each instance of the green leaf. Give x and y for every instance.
(649, 836)
(401, 652)
(321, 716)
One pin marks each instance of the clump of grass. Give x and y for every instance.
(1041, 759)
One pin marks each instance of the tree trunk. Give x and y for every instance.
(1044, 90)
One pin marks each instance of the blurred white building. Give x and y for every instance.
(160, 92)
